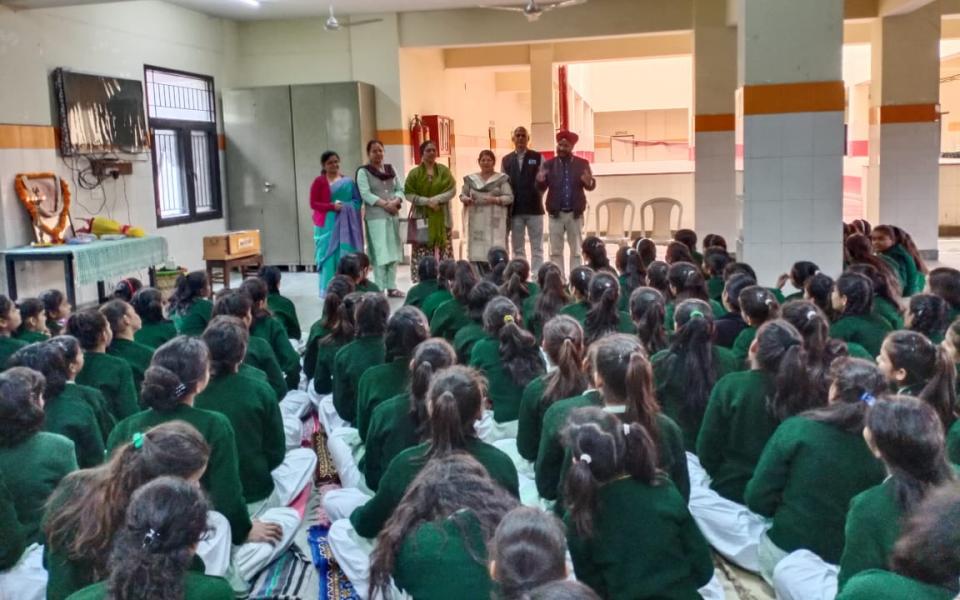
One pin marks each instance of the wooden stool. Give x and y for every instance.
(247, 265)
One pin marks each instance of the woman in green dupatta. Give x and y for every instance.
(429, 188)
(336, 218)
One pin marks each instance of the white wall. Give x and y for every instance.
(115, 39)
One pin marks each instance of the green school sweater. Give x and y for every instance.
(270, 330)
(503, 391)
(645, 544)
(906, 269)
(741, 345)
(367, 286)
(806, 477)
(9, 345)
(392, 430)
(260, 356)
(31, 337)
(369, 519)
(448, 319)
(155, 334)
(222, 477)
(98, 404)
(196, 586)
(670, 383)
(113, 377)
(137, 355)
(872, 528)
(886, 585)
(432, 302)
(255, 416)
(32, 470)
(735, 429)
(378, 384)
(466, 338)
(317, 333)
(444, 559)
(953, 443)
(70, 415)
(323, 366)
(194, 320)
(887, 311)
(418, 294)
(866, 330)
(671, 307)
(286, 312)
(12, 543)
(715, 287)
(577, 310)
(349, 365)
(626, 289)
(530, 418)
(858, 351)
(66, 575)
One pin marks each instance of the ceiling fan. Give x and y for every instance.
(334, 24)
(533, 10)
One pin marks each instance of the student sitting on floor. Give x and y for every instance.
(629, 530)
(887, 303)
(126, 288)
(509, 359)
(73, 354)
(800, 273)
(657, 273)
(112, 376)
(623, 385)
(757, 305)
(926, 557)
(340, 286)
(33, 327)
(88, 507)
(594, 253)
(896, 247)
(336, 329)
(917, 367)
(353, 359)
(455, 402)
(57, 310)
(632, 274)
(688, 238)
(604, 317)
(945, 282)
(819, 290)
(124, 324)
(715, 260)
(189, 307)
(453, 314)
(274, 469)
(528, 550)
(684, 374)
(260, 357)
(496, 265)
(927, 314)
(435, 544)
(401, 422)
(516, 282)
(153, 550)
(859, 253)
(427, 271)
(468, 336)
(155, 330)
(579, 304)
(446, 271)
(686, 283)
(647, 249)
(32, 462)
(548, 301)
(65, 410)
(9, 324)
(677, 252)
(267, 327)
(731, 324)
(364, 284)
(810, 469)
(647, 310)
(282, 307)
(563, 345)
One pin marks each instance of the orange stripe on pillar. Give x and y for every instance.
(709, 123)
(781, 98)
(27, 137)
(393, 137)
(904, 113)
(221, 141)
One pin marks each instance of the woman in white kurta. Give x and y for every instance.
(486, 198)
(381, 189)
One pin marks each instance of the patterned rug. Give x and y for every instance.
(334, 585)
(326, 472)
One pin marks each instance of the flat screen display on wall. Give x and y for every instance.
(99, 114)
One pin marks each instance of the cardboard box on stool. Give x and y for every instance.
(233, 244)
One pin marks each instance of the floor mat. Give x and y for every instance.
(334, 585)
(326, 471)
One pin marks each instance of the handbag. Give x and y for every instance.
(417, 229)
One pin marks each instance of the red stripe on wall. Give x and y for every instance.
(858, 148)
(852, 185)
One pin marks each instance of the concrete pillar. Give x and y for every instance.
(905, 124)
(790, 121)
(541, 98)
(714, 122)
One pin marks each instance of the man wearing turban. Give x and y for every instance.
(566, 178)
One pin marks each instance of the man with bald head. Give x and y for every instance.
(526, 212)
(567, 177)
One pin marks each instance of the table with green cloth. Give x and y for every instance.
(92, 262)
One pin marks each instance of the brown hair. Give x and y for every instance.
(563, 343)
(456, 397)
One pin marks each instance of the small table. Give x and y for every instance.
(90, 263)
(245, 264)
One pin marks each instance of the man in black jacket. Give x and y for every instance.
(522, 166)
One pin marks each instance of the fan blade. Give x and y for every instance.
(515, 9)
(566, 3)
(364, 22)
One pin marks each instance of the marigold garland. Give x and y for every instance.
(56, 233)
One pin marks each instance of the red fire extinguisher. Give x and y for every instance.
(418, 134)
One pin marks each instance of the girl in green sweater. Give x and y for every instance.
(647, 310)
(73, 354)
(528, 550)
(231, 303)
(604, 317)
(927, 314)
(33, 327)
(353, 359)
(887, 303)
(657, 279)
(189, 307)
(153, 550)
(580, 291)
(450, 316)
(853, 302)
(859, 254)
(282, 307)
(468, 336)
(88, 507)
(435, 544)
(926, 558)
(124, 324)
(800, 272)
(155, 330)
(328, 334)
(758, 306)
(687, 283)
(516, 284)
(112, 376)
(897, 247)
(548, 301)
(919, 368)
(427, 284)
(811, 468)
(57, 310)
(268, 328)
(632, 274)
(446, 271)
(9, 324)
(945, 282)
(629, 530)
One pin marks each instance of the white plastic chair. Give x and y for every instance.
(662, 210)
(619, 225)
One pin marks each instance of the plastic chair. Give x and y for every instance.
(618, 227)
(662, 209)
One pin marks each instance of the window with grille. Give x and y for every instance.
(183, 127)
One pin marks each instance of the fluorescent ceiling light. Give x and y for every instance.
(253, 3)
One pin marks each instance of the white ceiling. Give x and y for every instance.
(286, 9)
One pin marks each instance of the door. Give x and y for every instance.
(261, 184)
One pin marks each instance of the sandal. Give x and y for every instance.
(395, 294)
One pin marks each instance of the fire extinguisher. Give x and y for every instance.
(418, 134)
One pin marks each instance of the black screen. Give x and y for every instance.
(100, 114)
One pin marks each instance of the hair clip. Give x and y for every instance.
(696, 314)
(150, 537)
(507, 319)
(868, 398)
(585, 458)
(180, 391)
(626, 429)
(811, 315)
(138, 440)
